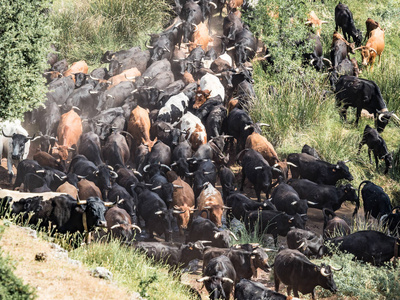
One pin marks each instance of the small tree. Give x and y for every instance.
(25, 37)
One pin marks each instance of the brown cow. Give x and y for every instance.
(68, 132)
(200, 37)
(139, 127)
(260, 144)
(77, 67)
(333, 225)
(46, 160)
(119, 223)
(127, 75)
(88, 189)
(371, 25)
(233, 5)
(375, 46)
(201, 97)
(210, 199)
(51, 75)
(183, 200)
(314, 21)
(69, 189)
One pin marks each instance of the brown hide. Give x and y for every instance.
(183, 200)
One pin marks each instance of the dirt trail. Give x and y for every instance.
(56, 277)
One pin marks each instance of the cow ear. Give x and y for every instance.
(80, 209)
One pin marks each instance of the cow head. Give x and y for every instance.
(166, 219)
(148, 143)
(214, 285)
(181, 167)
(17, 144)
(383, 118)
(184, 218)
(221, 238)
(367, 53)
(104, 174)
(325, 278)
(215, 212)
(95, 209)
(114, 68)
(260, 259)
(350, 194)
(201, 97)
(165, 192)
(343, 170)
(357, 37)
(62, 151)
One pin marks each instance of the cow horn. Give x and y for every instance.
(303, 215)
(301, 245)
(230, 48)
(76, 108)
(156, 188)
(134, 91)
(277, 170)
(177, 211)
(178, 186)
(58, 176)
(247, 126)
(396, 117)
(129, 78)
(269, 250)
(346, 161)
(227, 279)
(293, 203)
(248, 48)
(372, 49)
(111, 168)
(115, 226)
(311, 62)
(81, 202)
(150, 47)
(336, 269)
(137, 173)
(358, 48)
(233, 235)
(173, 164)
(145, 168)
(81, 176)
(109, 204)
(323, 272)
(217, 234)
(165, 166)
(38, 137)
(258, 168)
(137, 227)
(40, 171)
(93, 78)
(7, 136)
(213, 4)
(207, 172)
(203, 278)
(263, 124)
(312, 203)
(226, 207)
(291, 164)
(167, 130)
(113, 175)
(166, 49)
(380, 116)
(93, 92)
(327, 61)
(195, 26)
(189, 174)
(71, 149)
(308, 22)
(159, 212)
(207, 207)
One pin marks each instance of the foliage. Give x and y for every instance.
(372, 282)
(25, 37)
(11, 287)
(131, 269)
(101, 25)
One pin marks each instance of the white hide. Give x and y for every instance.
(9, 129)
(189, 123)
(180, 100)
(212, 83)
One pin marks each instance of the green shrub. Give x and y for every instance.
(25, 37)
(89, 28)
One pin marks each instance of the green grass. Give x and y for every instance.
(300, 111)
(88, 28)
(132, 271)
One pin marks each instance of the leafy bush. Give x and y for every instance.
(11, 287)
(89, 28)
(25, 36)
(362, 280)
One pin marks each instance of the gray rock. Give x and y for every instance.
(102, 272)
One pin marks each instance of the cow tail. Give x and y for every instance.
(359, 188)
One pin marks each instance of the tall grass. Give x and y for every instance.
(132, 270)
(88, 28)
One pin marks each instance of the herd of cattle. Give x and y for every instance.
(138, 148)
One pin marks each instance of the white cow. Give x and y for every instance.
(14, 143)
(195, 132)
(212, 83)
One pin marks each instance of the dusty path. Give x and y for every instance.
(56, 277)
